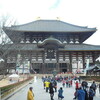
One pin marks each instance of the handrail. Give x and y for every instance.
(6, 90)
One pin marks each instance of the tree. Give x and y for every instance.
(6, 20)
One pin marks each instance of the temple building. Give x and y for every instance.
(48, 45)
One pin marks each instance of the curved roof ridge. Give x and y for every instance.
(86, 27)
(23, 24)
(51, 26)
(52, 38)
(75, 25)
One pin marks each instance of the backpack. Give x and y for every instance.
(91, 93)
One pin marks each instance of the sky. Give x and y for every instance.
(77, 12)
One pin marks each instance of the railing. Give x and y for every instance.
(6, 90)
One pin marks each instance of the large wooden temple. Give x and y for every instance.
(49, 45)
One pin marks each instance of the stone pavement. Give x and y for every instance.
(40, 93)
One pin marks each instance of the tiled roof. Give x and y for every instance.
(81, 47)
(68, 47)
(93, 67)
(50, 26)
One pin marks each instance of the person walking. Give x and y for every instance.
(75, 96)
(91, 93)
(51, 91)
(55, 85)
(84, 85)
(99, 87)
(60, 93)
(63, 83)
(47, 85)
(30, 94)
(93, 85)
(76, 85)
(66, 82)
(80, 94)
(86, 94)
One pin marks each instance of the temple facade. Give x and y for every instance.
(47, 45)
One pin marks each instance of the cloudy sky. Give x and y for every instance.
(77, 12)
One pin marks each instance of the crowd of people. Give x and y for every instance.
(83, 91)
(50, 85)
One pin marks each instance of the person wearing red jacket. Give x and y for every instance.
(77, 85)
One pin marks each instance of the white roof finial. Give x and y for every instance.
(58, 18)
(38, 18)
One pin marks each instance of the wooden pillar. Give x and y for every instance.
(77, 59)
(93, 57)
(43, 68)
(64, 56)
(83, 59)
(43, 64)
(70, 58)
(64, 60)
(57, 65)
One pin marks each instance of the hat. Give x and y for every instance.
(31, 88)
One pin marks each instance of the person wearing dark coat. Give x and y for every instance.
(51, 91)
(91, 93)
(93, 85)
(55, 85)
(84, 85)
(80, 94)
(86, 95)
(99, 87)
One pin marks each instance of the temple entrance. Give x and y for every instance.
(36, 67)
(64, 70)
(36, 70)
(63, 67)
(50, 67)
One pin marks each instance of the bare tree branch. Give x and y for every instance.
(5, 21)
